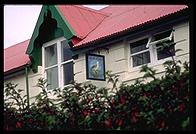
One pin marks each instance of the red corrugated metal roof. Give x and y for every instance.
(92, 25)
(123, 17)
(15, 56)
(82, 19)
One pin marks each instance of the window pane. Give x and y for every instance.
(138, 46)
(66, 52)
(141, 59)
(52, 77)
(68, 73)
(51, 55)
(166, 52)
(162, 35)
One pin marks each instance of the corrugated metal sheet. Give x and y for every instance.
(15, 56)
(126, 17)
(91, 25)
(82, 19)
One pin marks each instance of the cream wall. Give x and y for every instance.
(21, 81)
(118, 58)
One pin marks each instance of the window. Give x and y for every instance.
(58, 63)
(139, 53)
(66, 62)
(164, 51)
(150, 50)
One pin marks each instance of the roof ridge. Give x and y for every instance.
(16, 44)
(104, 8)
(123, 12)
(95, 27)
(91, 10)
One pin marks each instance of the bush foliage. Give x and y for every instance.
(161, 104)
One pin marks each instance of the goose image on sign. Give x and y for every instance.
(95, 70)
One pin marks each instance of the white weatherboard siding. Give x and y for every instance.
(21, 81)
(118, 58)
(182, 35)
(33, 80)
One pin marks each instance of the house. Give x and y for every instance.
(72, 42)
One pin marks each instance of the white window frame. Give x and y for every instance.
(131, 55)
(151, 45)
(59, 62)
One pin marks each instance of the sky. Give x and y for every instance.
(20, 21)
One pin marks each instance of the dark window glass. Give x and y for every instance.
(51, 55)
(162, 35)
(68, 73)
(66, 52)
(138, 46)
(52, 77)
(140, 59)
(165, 52)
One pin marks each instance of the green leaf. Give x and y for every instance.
(118, 128)
(100, 116)
(160, 110)
(185, 123)
(51, 119)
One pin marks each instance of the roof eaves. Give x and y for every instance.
(16, 44)
(15, 69)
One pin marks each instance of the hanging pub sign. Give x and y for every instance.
(95, 67)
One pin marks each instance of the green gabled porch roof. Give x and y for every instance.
(68, 32)
(74, 21)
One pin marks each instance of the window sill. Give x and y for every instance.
(152, 64)
(134, 72)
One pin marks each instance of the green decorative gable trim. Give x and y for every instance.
(51, 24)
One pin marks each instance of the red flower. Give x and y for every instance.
(162, 124)
(112, 101)
(108, 123)
(181, 107)
(97, 97)
(85, 113)
(18, 124)
(134, 116)
(119, 122)
(30, 120)
(122, 99)
(97, 110)
(154, 96)
(146, 95)
(90, 98)
(181, 83)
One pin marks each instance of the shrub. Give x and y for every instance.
(162, 104)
